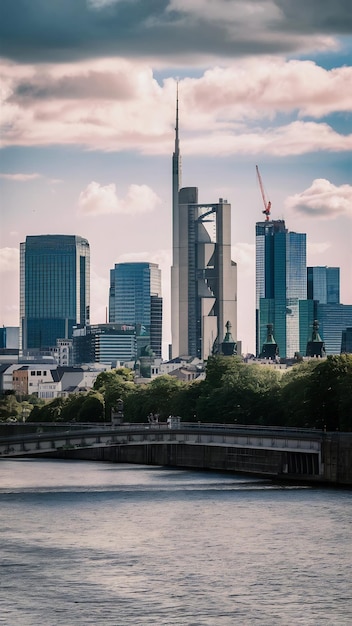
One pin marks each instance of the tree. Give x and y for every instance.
(330, 393)
(71, 407)
(237, 392)
(114, 385)
(109, 377)
(186, 401)
(10, 408)
(295, 393)
(160, 395)
(50, 412)
(92, 408)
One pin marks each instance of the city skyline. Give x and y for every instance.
(88, 131)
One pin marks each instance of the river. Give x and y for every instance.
(118, 545)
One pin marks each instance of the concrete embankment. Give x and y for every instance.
(335, 462)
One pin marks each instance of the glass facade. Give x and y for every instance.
(104, 343)
(135, 298)
(280, 284)
(333, 320)
(54, 288)
(323, 284)
(346, 344)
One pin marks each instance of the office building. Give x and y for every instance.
(110, 344)
(54, 289)
(135, 300)
(203, 276)
(323, 305)
(334, 321)
(281, 283)
(9, 338)
(323, 284)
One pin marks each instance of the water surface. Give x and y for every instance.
(97, 543)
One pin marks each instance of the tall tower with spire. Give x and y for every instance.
(203, 277)
(176, 183)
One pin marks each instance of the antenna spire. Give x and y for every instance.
(177, 142)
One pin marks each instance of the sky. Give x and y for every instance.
(87, 119)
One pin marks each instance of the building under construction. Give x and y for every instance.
(281, 282)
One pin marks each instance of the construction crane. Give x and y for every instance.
(267, 205)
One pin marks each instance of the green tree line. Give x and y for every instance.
(312, 394)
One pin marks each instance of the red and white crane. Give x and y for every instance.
(267, 205)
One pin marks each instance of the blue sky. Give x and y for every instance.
(87, 124)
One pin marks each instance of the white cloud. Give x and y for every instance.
(20, 177)
(9, 259)
(317, 248)
(115, 104)
(293, 139)
(244, 255)
(322, 199)
(256, 87)
(99, 200)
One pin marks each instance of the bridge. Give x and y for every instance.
(284, 453)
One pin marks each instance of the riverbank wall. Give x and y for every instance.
(335, 467)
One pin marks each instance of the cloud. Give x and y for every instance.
(293, 139)
(20, 177)
(316, 15)
(317, 248)
(9, 259)
(101, 200)
(322, 199)
(244, 255)
(263, 87)
(114, 104)
(171, 29)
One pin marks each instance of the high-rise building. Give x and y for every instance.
(9, 337)
(281, 282)
(323, 284)
(54, 288)
(110, 344)
(334, 320)
(203, 276)
(135, 299)
(323, 305)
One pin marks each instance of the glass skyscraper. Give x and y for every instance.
(135, 299)
(54, 288)
(323, 284)
(281, 282)
(334, 320)
(323, 291)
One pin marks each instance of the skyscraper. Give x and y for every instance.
(333, 320)
(323, 284)
(203, 276)
(135, 299)
(54, 288)
(323, 290)
(280, 284)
